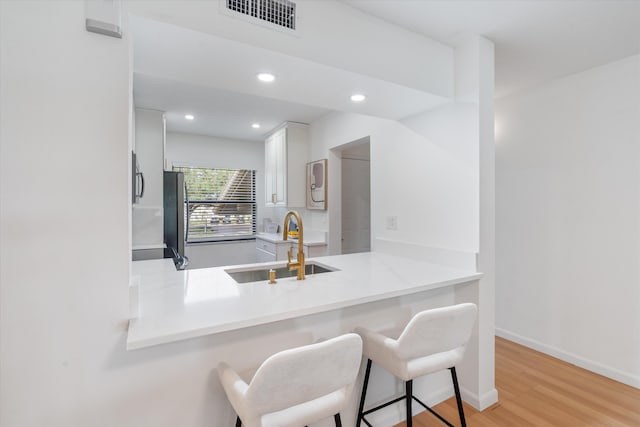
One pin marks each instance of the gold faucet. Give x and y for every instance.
(299, 265)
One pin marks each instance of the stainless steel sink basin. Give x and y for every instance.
(260, 274)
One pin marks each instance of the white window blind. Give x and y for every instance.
(220, 204)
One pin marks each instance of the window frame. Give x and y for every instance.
(225, 237)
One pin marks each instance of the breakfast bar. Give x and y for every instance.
(176, 305)
(247, 322)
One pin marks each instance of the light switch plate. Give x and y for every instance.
(392, 222)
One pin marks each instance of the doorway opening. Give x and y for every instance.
(355, 234)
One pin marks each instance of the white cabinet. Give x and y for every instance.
(269, 251)
(275, 251)
(147, 216)
(275, 173)
(286, 154)
(315, 251)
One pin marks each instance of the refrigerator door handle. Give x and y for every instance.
(186, 199)
(141, 185)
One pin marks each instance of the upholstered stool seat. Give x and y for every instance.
(432, 341)
(298, 386)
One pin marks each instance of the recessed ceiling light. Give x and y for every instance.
(358, 97)
(189, 117)
(256, 125)
(266, 77)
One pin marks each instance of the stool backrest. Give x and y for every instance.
(302, 374)
(437, 330)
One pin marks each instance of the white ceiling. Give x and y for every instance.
(179, 70)
(174, 65)
(217, 112)
(535, 41)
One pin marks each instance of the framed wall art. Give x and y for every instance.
(317, 184)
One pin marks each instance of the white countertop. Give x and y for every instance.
(149, 246)
(309, 240)
(176, 305)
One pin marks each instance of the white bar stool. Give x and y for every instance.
(298, 386)
(432, 341)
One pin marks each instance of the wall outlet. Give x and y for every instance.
(392, 222)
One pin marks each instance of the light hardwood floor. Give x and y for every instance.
(538, 390)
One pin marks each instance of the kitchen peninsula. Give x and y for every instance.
(375, 289)
(176, 305)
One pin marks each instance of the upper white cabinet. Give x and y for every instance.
(286, 154)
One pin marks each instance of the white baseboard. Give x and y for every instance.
(598, 368)
(479, 402)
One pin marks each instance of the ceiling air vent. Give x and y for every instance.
(278, 12)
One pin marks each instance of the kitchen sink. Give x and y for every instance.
(259, 274)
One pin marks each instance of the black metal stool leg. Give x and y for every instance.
(364, 393)
(337, 419)
(456, 388)
(238, 422)
(409, 397)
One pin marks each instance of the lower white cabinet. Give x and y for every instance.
(264, 256)
(315, 250)
(274, 251)
(270, 251)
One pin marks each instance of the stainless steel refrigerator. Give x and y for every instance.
(174, 220)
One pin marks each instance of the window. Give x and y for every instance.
(220, 204)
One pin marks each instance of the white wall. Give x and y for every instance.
(64, 209)
(568, 218)
(434, 172)
(430, 191)
(185, 149)
(424, 170)
(64, 284)
(210, 151)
